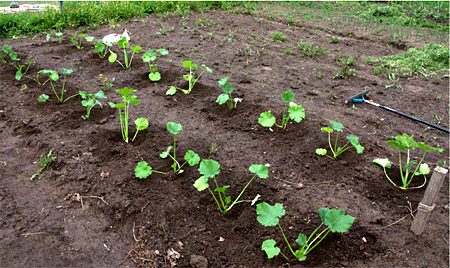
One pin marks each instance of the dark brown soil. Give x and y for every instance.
(44, 224)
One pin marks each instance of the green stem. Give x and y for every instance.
(135, 134)
(215, 199)
(284, 256)
(400, 166)
(240, 194)
(220, 196)
(175, 154)
(318, 242)
(286, 240)
(329, 144)
(63, 88)
(71, 97)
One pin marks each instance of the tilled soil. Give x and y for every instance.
(123, 221)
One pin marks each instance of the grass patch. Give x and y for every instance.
(310, 50)
(346, 63)
(94, 14)
(428, 60)
(279, 37)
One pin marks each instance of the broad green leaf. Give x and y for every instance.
(100, 47)
(88, 103)
(403, 142)
(174, 128)
(65, 71)
(296, 112)
(89, 38)
(321, 151)
(302, 239)
(100, 95)
(269, 247)
(223, 81)
(137, 49)
(141, 123)
(43, 98)
(188, 64)
(165, 154)
(132, 99)
(338, 221)
(162, 51)
(323, 212)
(326, 129)
(222, 189)
(192, 158)
(383, 162)
(269, 215)
(53, 75)
(266, 119)
(201, 183)
(336, 125)
(425, 147)
(288, 96)
(424, 169)
(19, 75)
(354, 140)
(123, 43)
(142, 170)
(149, 56)
(262, 171)
(209, 168)
(155, 76)
(222, 98)
(171, 91)
(125, 91)
(112, 57)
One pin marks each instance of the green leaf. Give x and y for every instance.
(209, 168)
(337, 220)
(165, 154)
(296, 112)
(142, 170)
(269, 247)
(89, 38)
(100, 95)
(155, 76)
(323, 212)
(137, 49)
(354, 140)
(100, 47)
(189, 64)
(383, 162)
(125, 91)
(206, 68)
(302, 239)
(65, 71)
(223, 81)
(262, 171)
(192, 158)
(201, 183)
(288, 96)
(149, 56)
(321, 151)
(426, 148)
(403, 142)
(162, 51)
(174, 128)
(424, 169)
(112, 57)
(123, 43)
(19, 75)
(171, 91)
(43, 98)
(222, 98)
(269, 215)
(53, 75)
(222, 189)
(266, 119)
(336, 125)
(141, 123)
(326, 129)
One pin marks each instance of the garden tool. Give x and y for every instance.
(363, 98)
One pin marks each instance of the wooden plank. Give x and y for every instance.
(429, 198)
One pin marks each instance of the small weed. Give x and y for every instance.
(310, 50)
(279, 37)
(320, 75)
(45, 161)
(288, 51)
(165, 31)
(334, 39)
(203, 22)
(346, 63)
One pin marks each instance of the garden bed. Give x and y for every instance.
(43, 224)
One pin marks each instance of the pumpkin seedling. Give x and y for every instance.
(9, 56)
(128, 98)
(90, 101)
(53, 77)
(292, 111)
(209, 169)
(58, 35)
(404, 144)
(43, 98)
(45, 161)
(128, 53)
(225, 97)
(195, 73)
(152, 57)
(336, 150)
(333, 221)
(77, 39)
(101, 48)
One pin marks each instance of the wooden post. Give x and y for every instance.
(427, 204)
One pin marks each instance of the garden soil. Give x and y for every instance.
(88, 210)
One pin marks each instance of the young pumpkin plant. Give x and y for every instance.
(409, 168)
(195, 73)
(9, 56)
(292, 111)
(53, 77)
(336, 150)
(225, 97)
(102, 49)
(90, 101)
(209, 169)
(77, 39)
(152, 57)
(143, 171)
(128, 99)
(128, 53)
(333, 221)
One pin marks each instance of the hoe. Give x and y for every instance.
(362, 97)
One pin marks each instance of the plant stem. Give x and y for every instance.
(286, 240)
(71, 97)
(220, 196)
(240, 194)
(329, 144)
(318, 242)
(175, 154)
(215, 199)
(400, 166)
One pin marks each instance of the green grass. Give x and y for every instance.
(310, 50)
(427, 60)
(279, 37)
(93, 14)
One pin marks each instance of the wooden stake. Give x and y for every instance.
(427, 204)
